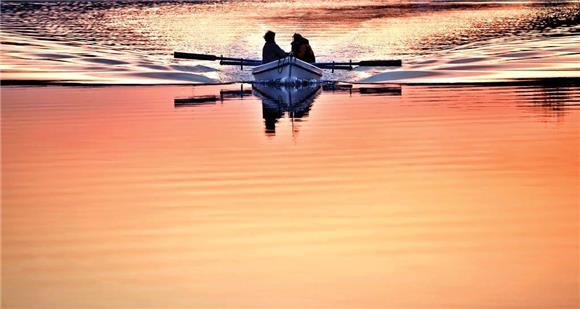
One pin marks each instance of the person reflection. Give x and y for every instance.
(271, 115)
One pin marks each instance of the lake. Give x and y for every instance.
(223, 196)
(131, 179)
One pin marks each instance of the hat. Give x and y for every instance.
(269, 36)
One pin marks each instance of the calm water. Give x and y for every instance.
(367, 196)
(398, 197)
(133, 41)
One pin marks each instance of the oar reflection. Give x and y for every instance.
(277, 101)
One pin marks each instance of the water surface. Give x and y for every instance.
(402, 197)
(460, 192)
(133, 41)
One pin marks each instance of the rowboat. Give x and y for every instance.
(289, 70)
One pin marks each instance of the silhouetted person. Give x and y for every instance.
(271, 50)
(301, 49)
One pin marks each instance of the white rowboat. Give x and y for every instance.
(289, 70)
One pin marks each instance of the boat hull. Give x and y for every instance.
(288, 70)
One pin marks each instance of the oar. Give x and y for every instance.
(366, 63)
(323, 65)
(380, 63)
(241, 62)
(223, 60)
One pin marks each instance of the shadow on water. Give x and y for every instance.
(279, 101)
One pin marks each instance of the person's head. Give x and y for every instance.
(297, 37)
(269, 36)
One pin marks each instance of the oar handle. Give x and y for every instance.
(334, 67)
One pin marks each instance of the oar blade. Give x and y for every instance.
(380, 63)
(183, 55)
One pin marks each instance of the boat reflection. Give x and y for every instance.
(277, 101)
(293, 101)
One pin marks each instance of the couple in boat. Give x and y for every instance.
(300, 49)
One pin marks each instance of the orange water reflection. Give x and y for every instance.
(439, 197)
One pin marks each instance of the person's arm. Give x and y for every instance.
(280, 52)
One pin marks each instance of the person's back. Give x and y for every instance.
(308, 53)
(271, 51)
(302, 50)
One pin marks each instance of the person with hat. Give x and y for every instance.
(301, 49)
(271, 51)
